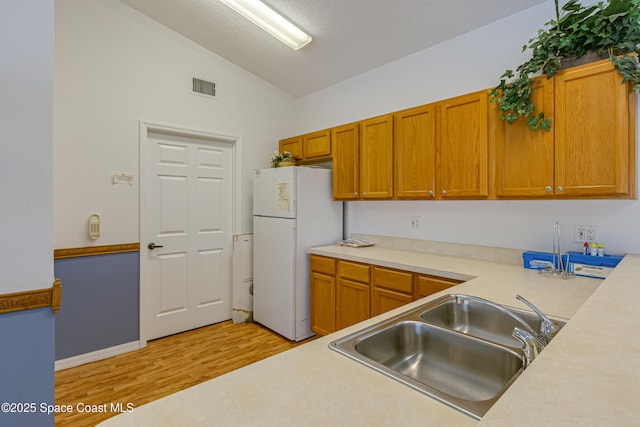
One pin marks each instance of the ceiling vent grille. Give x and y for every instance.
(203, 87)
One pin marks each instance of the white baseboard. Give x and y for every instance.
(94, 356)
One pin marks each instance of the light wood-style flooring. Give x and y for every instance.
(163, 367)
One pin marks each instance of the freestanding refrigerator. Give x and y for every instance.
(293, 210)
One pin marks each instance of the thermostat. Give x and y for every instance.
(94, 226)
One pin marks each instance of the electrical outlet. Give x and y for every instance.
(584, 233)
(415, 222)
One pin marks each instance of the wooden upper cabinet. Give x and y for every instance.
(524, 157)
(459, 149)
(316, 144)
(463, 147)
(292, 145)
(309, 147)
(346, 161)
(415, 153)
(594, 139)
(376, 157)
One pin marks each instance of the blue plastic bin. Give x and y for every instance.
(592, 266)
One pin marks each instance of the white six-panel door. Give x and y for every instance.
(187, 216)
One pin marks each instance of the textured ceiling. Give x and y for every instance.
(349, 36)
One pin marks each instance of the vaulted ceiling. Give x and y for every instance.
(349, 36)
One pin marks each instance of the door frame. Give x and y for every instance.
(204, 136)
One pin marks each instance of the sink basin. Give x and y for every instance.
(451, 363)
(454, 349)
(481, 320)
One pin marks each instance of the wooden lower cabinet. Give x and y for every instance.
(390, 289)
(323, 294)
(427, 285)
(344, 293)
(323, 312)
(352, 296)
(352, 303)
(383, 300)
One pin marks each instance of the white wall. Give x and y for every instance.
(114, 67)
(26, 85)
(471, 62)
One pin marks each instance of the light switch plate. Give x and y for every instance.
(122, 178)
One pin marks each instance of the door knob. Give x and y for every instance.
(153, 246)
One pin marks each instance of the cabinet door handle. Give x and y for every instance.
(355, 194)
(548, 189)
(444, 192)
(431, 193)
(560, 189)
(364, 194)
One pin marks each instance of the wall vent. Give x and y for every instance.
(203, 87)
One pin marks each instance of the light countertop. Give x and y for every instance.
(588, 375)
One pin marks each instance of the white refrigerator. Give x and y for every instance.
(293, 210)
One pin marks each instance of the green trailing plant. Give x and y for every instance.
(608, 28)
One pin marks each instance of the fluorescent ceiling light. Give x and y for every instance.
(270, 21)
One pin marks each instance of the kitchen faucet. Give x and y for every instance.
(547, 327)
(532, 344)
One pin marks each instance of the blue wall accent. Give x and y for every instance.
(100, 303)
(27, 365)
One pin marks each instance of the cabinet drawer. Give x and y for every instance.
(322, 264)
(353, 271)
(428, 285)
(392, 279)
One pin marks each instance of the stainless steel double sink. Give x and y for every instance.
(458, 351)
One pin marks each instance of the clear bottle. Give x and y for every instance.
(593, 250)
(600, 249)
